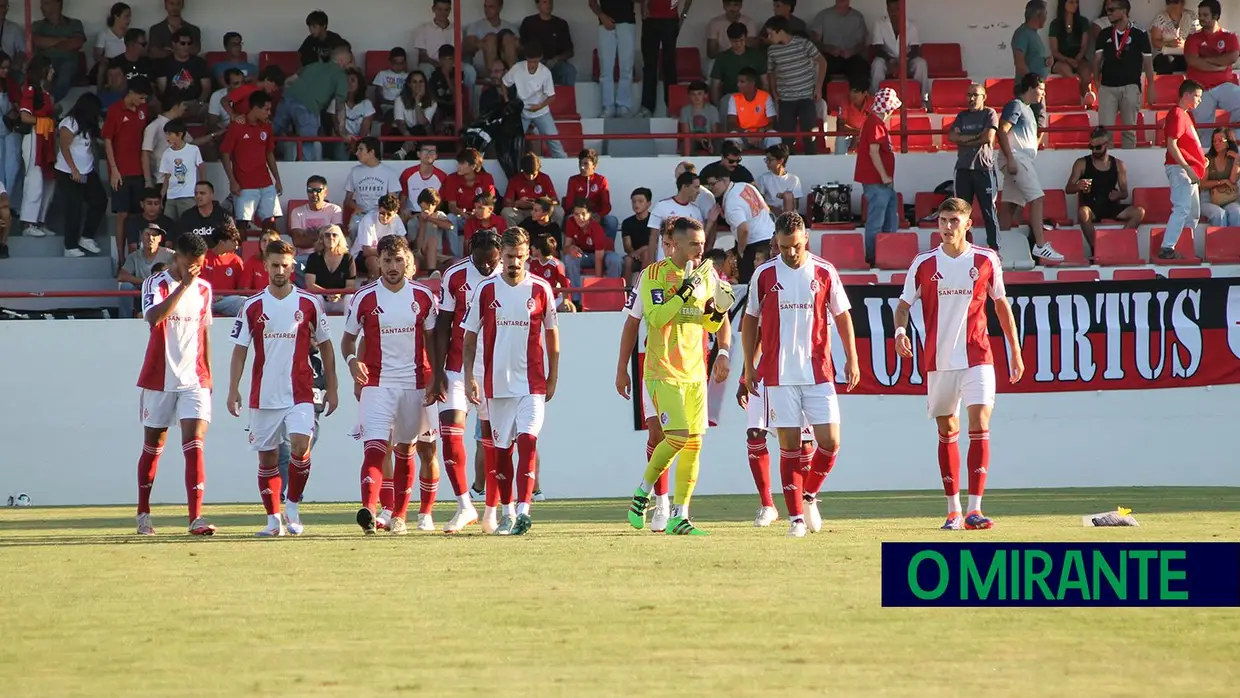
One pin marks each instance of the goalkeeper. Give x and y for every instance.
(682, 301)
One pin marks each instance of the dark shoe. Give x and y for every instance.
(1169, 253)
(4, 251)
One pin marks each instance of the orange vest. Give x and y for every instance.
(751, 113)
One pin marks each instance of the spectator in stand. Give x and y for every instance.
(751, 111)
(79, 193)
(536, 90)
(134, 60)
(59, 39)
(10, 136)
(709, 209)
(235, 59)
(491, 38)
(137, 267)
(416, 114)
(114, 87)
(796, 73)
(539, 223)
(1018, 140)
(1168, 33)
(369, 181)
(729, 165)
(876, 170)
(840, 33)
(586, 246)
(729, 64)
(320, 42)
(152, 214)
(552, 34)
(1100, 183)
(207, 217)
(545, 263)
(851, 118)
(420, 177)
(254, 277)
(225, 271)
(1070, 47)
(389, 83)
(330, 267)
(122, 143)
(493, 91)
(483, 218)
(163, 34)
(1122, 54)
(181, 169)
(317, 86)
(13, 39)
(185, 77)
(718, 36)
(1186, 163)
(359, 116)
(661, 22)
(1029, 54)
(377, 224)
(249, 159)
(781, 189)
(36, 110)
(155, 140)
(110, 42)
(635, 231)
(428, 37)
(306, 222)
(683, 204)
(461, 189)
(528, 184)
(1222, 171)
(796, 25)
(973, 132)
(426, 229)
(589, 185)
(886, 44)
(270, 80)
(442, 86)
(700, 118)
(1211, 53)
(617, 51)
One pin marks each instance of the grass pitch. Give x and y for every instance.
(583, 606)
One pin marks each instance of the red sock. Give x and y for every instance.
(807, 457)
(503, 473)
(790, 474)
(402, 485)
(373, 455)
(454, 457)
(387, 493)
(148, 464)
(195, 476)
(949, 463)
(269, 486)
(527, 467)
(979, 461)
(489, 456)
(820, 467)
(298, 476)
(427, 488)
(760, 467)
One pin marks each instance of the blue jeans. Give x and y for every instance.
(564, 73)
(456, 239)
(611, 226)
(128, 305)
(612, 263)
(620, 43)
(294, 118)
(545, 125)
(10, 167)
(1185, 205)
(882, 214)
(66, 72)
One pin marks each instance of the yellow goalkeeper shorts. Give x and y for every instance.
(680, 406)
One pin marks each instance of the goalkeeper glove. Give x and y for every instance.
(693, 279)
(724, 297)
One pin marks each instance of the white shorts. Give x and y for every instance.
(648, 409)
(1024, 186)
(515, 415)
(755, 416)
(395, 414)
(267, 426)
(945, 389)
(160, 409)
(797, 405)
(454, 396)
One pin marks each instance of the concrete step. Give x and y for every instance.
(35, 303)
(23, 246)
(1014, 249)
(55, 268)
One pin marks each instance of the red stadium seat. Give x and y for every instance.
(899, 208)
(895, 250)
(945, 141)
(1077, 275)
(1076, 138)
(688, 64)
(916, 143)
(214, 58)
(837, 96)
(610, 300)
(924, 205)
(1116, 247)
(1024, 277)
(1155, 200)
(844, 250)
(999, 91)
(564, 105)
(288, 61)
(898, 279)
(1054, 207)
(1063, 94)
(1166, 92)
(911, 95)
(1223, 245)
(859, 279)
(290, 206)
(1184, 246)
(570, 138)
(1070, 243)
(950, 95)
(376, 61)
(943, 60)
(677, 98)
(1134, 275)
(1190, 273)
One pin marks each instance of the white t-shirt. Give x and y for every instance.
(390, 83)
(215, 107)
(410, 116)
(743, 204)
(884, 35)
(175, 355)
(510, 322)
(671, 208)
(531, 88)
(394, 340)
(773, 186)
(796, 348)
(429, 37)
(181, 166)
(111, 44)
(80, 150)
(956, 336)
(354, 115)
(155, 140)
(368, 184)
(287, 327)
(371, 230)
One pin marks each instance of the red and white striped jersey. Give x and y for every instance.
(282, 332)
(953, 295)
(394, 328)
(794, 308)
(176, 352)
(510, 322)
(456, 292)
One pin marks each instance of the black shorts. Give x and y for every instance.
(1105, 210)
(128, 197)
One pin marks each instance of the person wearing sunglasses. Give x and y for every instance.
(1168, 32)
(1100, 183)
(306, 222)
(729, 165)
(1122, 55)
(185, 77)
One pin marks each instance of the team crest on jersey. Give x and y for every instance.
(417, 309)
(298, 317)
(228, 271)
(771, 415)
(547, 273)
(252, 439)
(529, 304)
(663, 418)
(973, 273)
(814, 285)
(937, 276)
(262, 136)
(477, 190)
(537, 188)
(1220, 44)
(594, 188)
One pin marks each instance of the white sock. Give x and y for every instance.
(510, 511)
(680, 511)
(462, 502)
(953, 504)
(290, 510)
(797, 518)
(385, 514)
(647, 487)
(523, 509)
(489, 511)
(663, 501)
(975, 502)
(273, 521)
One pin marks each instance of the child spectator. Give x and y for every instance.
(255, 276)
(751, 111)
(319, 44)
(426, 230)
(139, 266)
(484, 218)
(235, 60)
(587, 246)
(123, 131)
(593, 187)
(155, 141)
(249, 159)
(539, 224)
(424, 175)
(636, 233)
(536, 90)
(851, 118)
(545, 264)
(181, 168)
(526, 185)
(415, 113)
(373, 227)
(460, 190)
(389, 82)
(225, 271)
(443, 87)
(152, 214)
(781, 190)
(699, 116)
(359, 115)
(718, 258)
(369, 180)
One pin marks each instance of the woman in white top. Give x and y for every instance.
(359, 115)
(415, 112)
(111, 41)
(77, 181)
(1167, 34)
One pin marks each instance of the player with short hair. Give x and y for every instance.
(396, 319)
(747, 214)
(513, 319)
(282, 322)
(953, 282)
(456, 291)
(176, 377)
(680, 305)
(792, 300)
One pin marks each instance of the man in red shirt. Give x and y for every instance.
(225, 271)
(248, 155)
(1186, 166)
(270, 80)
(484, 217)
(586, 246)
(122, 141)
(876, 169)
(661, 22)
(1210, 54)
(528, 184)
(460, 190)
(592, 187)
